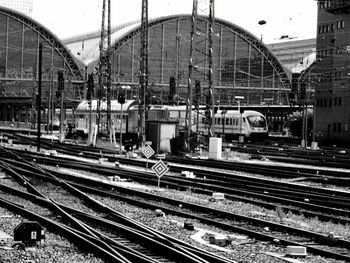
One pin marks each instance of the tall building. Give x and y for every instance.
(332, 89)
(22, 6)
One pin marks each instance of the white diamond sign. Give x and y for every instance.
(148, 151)
(160, 168)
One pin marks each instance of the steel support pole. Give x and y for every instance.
(143, 74)
(121, 129)
(210, 75)
(189, 99)
(39, 95)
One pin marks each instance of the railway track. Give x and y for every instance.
(311, 201)
(321, 158)
(317, 174)
(315, 244)
(151, 242)
(277, 233)
(326, 157)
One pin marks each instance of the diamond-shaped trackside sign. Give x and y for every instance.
(148, 151)
(160, 168)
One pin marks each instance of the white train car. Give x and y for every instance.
(82, 115)
(176, 113)
(250, 124)
(230, 123)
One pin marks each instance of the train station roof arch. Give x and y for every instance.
(19, 57)
(86, 47)
(241, 60)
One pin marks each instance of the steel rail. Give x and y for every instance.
(186, 183)
(181, 251)
(207, 220)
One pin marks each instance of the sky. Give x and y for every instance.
(295, 18)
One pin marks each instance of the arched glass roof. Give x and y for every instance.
(241, 61)
(19, 57)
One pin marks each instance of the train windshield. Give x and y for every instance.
(257, 121)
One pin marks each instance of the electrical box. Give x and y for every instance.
(215, 148)
(29, 233)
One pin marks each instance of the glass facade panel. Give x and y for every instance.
(170, 62)
(228, 57)
(242, 63)
(184, 51)
(255, 68)
(14, 50)
(30, 50)
(124, 58)
(154, 54)
(269, 76)
(3, 29)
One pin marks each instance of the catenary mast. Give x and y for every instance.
(200, 72)
(104, 73)
(143, 78)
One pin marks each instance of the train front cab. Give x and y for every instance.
(232, 124)
(257, 125)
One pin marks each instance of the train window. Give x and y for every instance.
(231, 122)
(173, 114)
(256, 121)
(227, 121)
(219, 121)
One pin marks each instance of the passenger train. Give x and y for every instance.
(230, 123)
(249, 123)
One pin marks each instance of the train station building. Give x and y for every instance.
(19, 60)
(242, 65)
